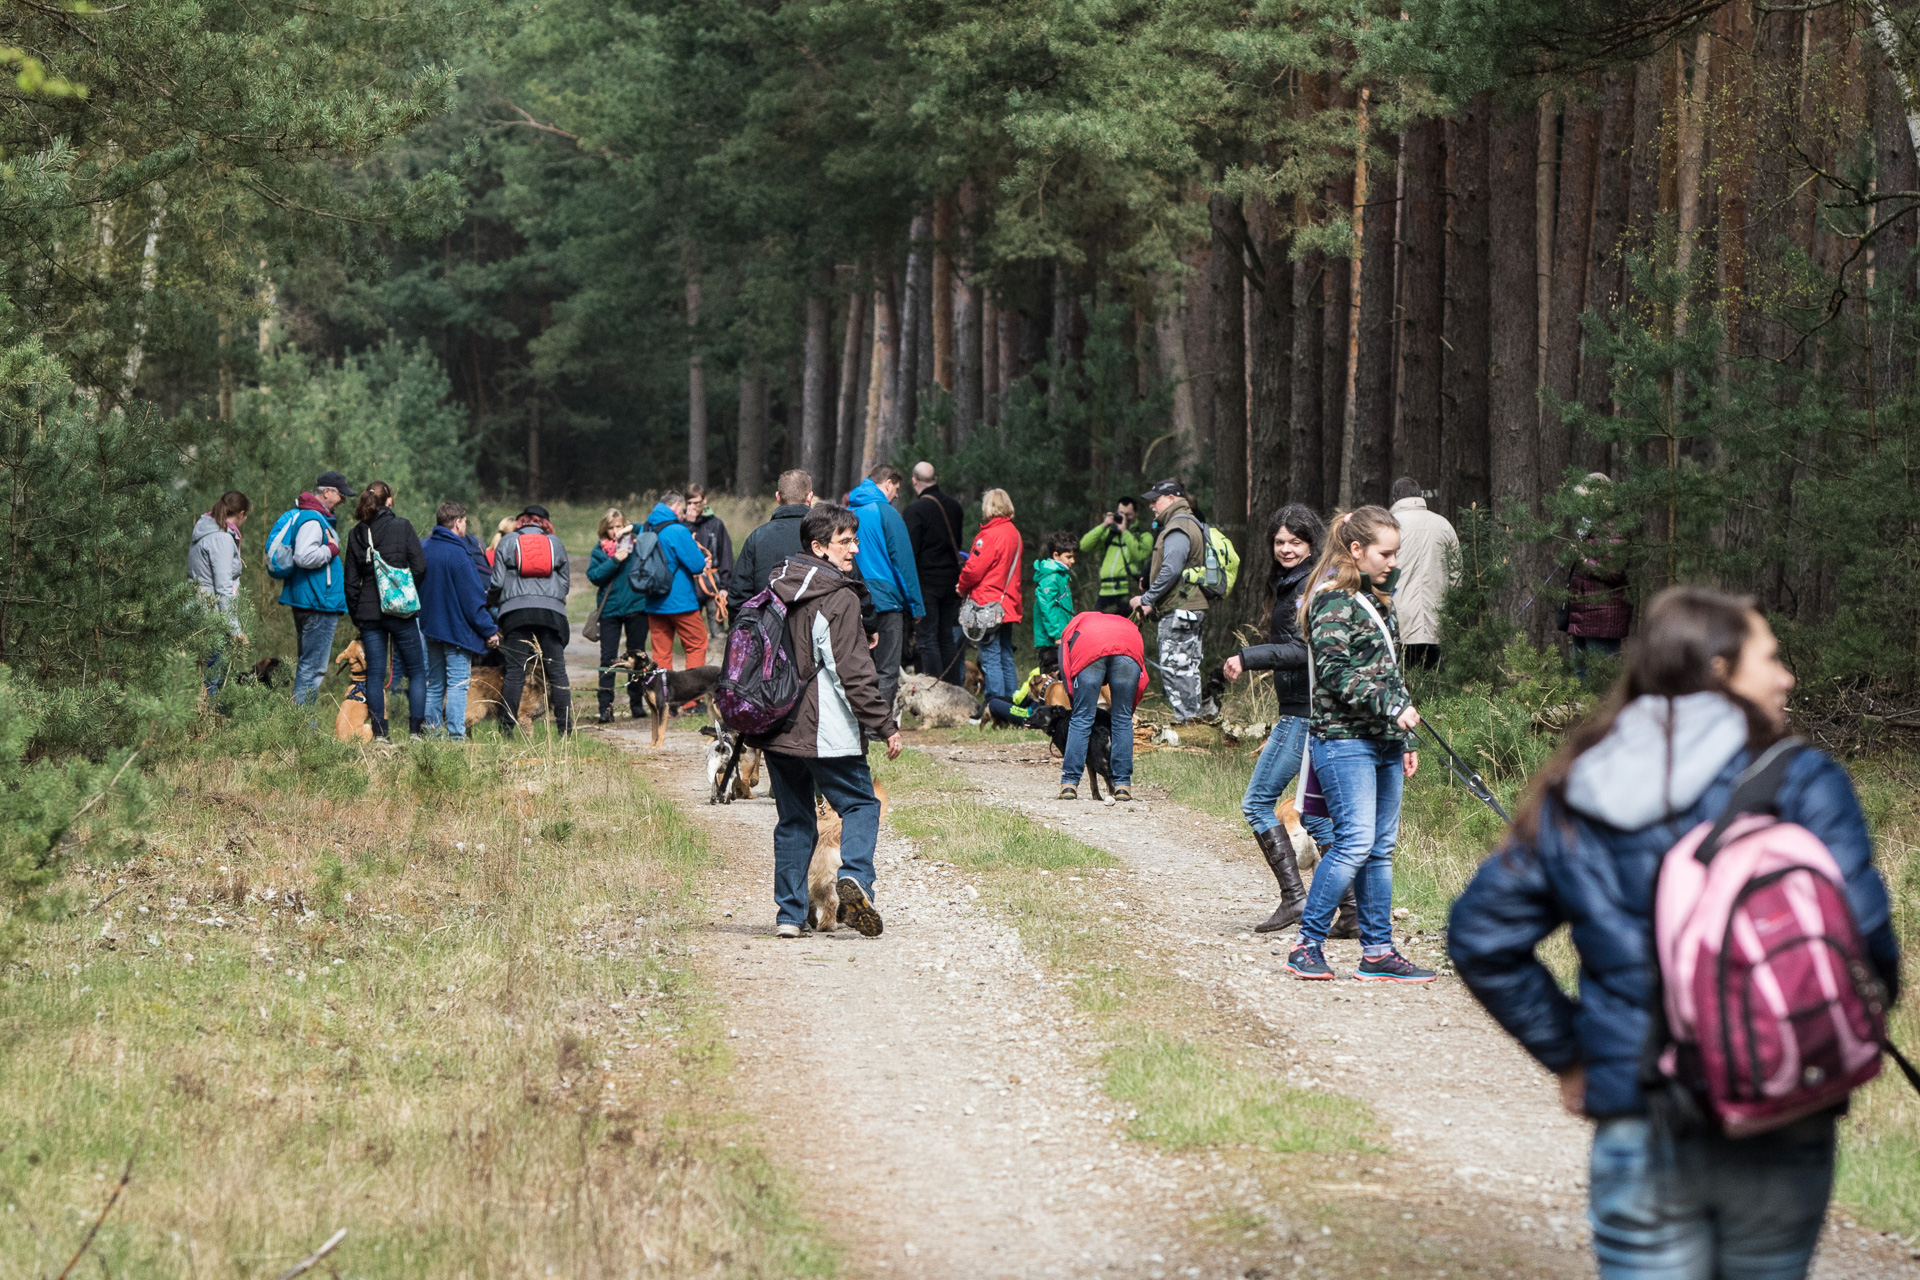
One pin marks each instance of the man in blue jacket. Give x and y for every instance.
(885, 560)
(453, 618)
(316, 590)
(677, 612)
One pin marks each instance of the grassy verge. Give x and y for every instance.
(438, 997)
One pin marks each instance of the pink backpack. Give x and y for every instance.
(1768, 999)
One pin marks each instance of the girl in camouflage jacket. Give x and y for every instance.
(1362, 744)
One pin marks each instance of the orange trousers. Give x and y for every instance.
(692, 630)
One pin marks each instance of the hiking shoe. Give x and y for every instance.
(1306, 961)
(787, 931)
(1067, 793)
(856, 909)
(1122, 794)
(1392, 967)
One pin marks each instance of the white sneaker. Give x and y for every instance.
(787, 931)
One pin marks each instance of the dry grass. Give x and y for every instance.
(454, 1013)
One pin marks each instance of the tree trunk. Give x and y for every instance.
(1579, 158)
(913, 312)
(1196, 323)
(966, 326)
(790, 411)
(1171, 343)
(1226, 284)
(1373, 348)
(1336, 320)
(1692, 135)
(849, 409)
(1605, 260)
(816, 446)
(1513, 334)
(880, 406)
(989, 361)
(1464, 433)
(1545, 148)
(943, 293)
(1306, 479)
(1270, 357)
(1008, 335)
(1423, 283)
(696, 388)
(1061, 339)
(534, 481)
(750, 458)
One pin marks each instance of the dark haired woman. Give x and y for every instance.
(1704, 691)
(1295, 533)
(381, 531)
(213, 565)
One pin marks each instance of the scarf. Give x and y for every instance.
(620, 535)
(233, 530)
(310, 503)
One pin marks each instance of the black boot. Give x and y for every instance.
(1346, 920)
(416, 728)
(1286, 869)
(379, 726)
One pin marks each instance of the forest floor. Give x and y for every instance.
(1068, 1055)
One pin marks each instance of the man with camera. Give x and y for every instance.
(1123, 554)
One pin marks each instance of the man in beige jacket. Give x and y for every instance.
(1426, 543)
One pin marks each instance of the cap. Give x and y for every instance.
(1168, 488)
(334, 480)
(535, 509)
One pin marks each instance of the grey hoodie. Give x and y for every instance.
(1647, 769)
(213, 565)
(516, 592)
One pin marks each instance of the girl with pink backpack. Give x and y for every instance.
(1736, 947)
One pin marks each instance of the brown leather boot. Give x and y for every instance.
(1286, 869)
(1346, 920)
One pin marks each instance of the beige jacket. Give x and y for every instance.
(1426, 539)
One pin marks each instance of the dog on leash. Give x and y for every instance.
(353, 723)
(935, 703)
(666, 689)
(1054, 722)
(732, 767)
(823, 873)
(1046, 689)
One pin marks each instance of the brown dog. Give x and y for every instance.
(823, 874)
(678, 687)
(486, 693)
(353, 723)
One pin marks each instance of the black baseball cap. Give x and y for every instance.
(535, 509)
(334, 480)
(1168, 488)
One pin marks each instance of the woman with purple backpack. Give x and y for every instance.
(1703, 697)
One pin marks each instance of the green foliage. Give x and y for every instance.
(1475, 628)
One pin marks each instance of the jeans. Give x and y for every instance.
(1583, 643)
(996, 668)
(1121, 674)
(315, 631)
(892, 628)
(1707, 1207)
(401, 637)
(1361, 778)
(520, 647)
(449, 669)
(1279, 761)
(848, 788)
(634, 626)
(938, 638)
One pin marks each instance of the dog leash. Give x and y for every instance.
(1469, 778)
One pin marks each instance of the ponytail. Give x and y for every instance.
(1336, 569)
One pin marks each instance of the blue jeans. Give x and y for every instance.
(1278, 763)
(848, 788)
(401, 637)
(449, 668)
(1122, 675)
(996, 669)
(315, 631)
(1361, 778)
(1707, 1207)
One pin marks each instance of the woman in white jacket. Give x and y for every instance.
(213, 565)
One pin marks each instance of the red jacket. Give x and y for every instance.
(993, 571)
(1091, 636)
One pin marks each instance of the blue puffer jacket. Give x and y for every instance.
(1592, 867)
(688, 561)
(886, 552)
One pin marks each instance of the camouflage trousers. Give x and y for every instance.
(1180, 664)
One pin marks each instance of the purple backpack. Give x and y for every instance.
(760, 683)
(1768, 1006)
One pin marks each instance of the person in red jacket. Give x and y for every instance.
(1101, 649)
(991, 577)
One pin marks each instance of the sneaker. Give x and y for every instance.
(787, 931)
(1068, 793)
(1392, 967)
(1122, 794)
(1306, 961)
(856, 909)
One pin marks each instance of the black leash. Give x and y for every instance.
(1469, 778)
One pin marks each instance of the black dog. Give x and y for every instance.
(265, 673)
(668, 689)
(1054, 721)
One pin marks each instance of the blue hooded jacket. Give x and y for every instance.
(886, 552)
(453, 594)
(687, 558)
(1592, 867)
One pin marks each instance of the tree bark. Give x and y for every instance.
(966, 326)
(1336, 322)
(816, 446)
(880, 407)
(696, 388)
(1513, 334)
(1373, 349)
(1197, 325)
(1579, 158)
(1605, 260)
(845, 430)
(1692, 131)
(750, 456)
(1061, 339)
(534, 480)
(1423, 240)
(1226, 283)
(1464, 433)
(1171, 342)
(1306, 480)
(914, 311)
(989, 361)
(1270, 357)
(943, 293)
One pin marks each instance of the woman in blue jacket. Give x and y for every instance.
(1703, 692)
(621, 609)
(453, 618)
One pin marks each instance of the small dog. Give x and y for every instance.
(353, 723)
(976, 679)
(1054, 721)
(937, 704)
(823, 874)
(666, 689)
(732, 767)
(1046, 689)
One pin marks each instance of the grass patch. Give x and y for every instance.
(1186, 1094)
(451, 1010)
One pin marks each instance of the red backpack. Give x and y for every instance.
(1769, 1009)
(536, 555)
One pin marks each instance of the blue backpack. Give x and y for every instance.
(650, 569)
(280, 540)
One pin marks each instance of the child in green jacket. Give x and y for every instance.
(1052, 597)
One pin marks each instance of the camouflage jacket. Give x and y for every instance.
(1358, 690)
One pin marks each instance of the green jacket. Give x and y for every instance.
(1358, 688)
(1123, 559)
(1052, 600)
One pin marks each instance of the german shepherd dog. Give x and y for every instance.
(666, 689)
(823, 874)
(1053, 721)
